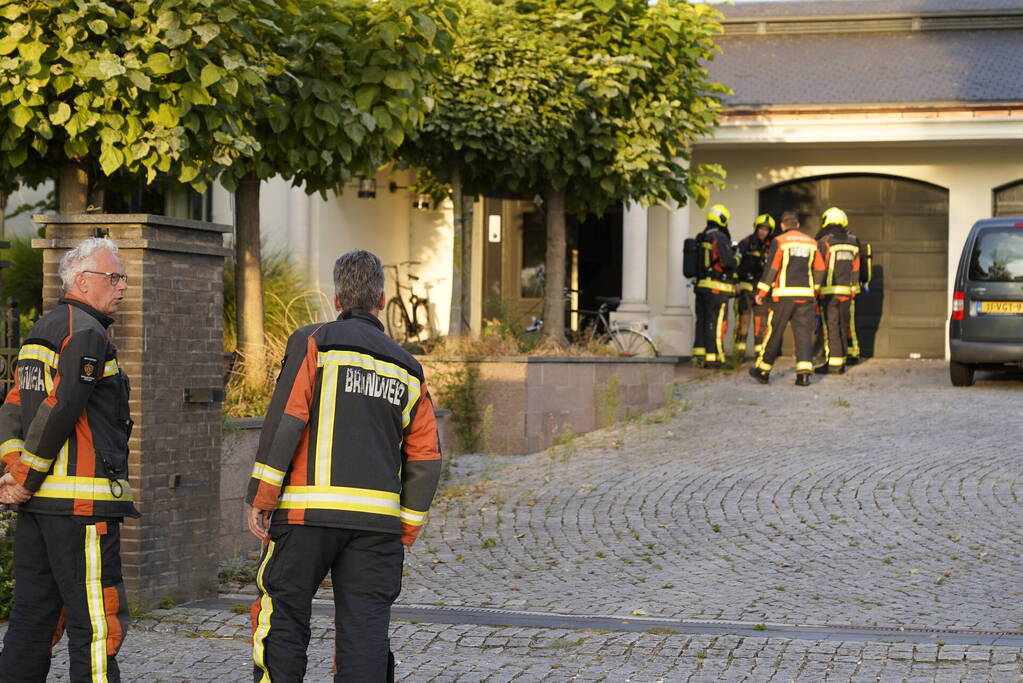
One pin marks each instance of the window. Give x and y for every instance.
(997, 256)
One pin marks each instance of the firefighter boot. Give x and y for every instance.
(760, 375)
(803, 379)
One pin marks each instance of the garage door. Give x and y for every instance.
(1009, 200)
(906, 222)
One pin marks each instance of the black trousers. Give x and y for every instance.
(711, 324)
(800, 313)
(746, 308)
(65, 571)
(836, 315)
(365, 568)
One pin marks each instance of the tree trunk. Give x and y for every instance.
(554, 284)
(467, 211)
(457, 254)
(248, 280)
(73, 182)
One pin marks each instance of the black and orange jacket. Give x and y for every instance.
(717, 260)
(794, 268)
(64, 427)
(840, 252)
(350, 438)
(751, 253)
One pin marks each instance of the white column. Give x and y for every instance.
(298, 230)
(634, 263)
(673, 329)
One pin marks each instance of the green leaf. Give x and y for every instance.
(207, 32)
(33, 51)
(11, 11)
(194, 93)
(140, 80)
(20, 116)
(110, 159)
(211, 73)
(398, 80)
(327, 113)
(165, 115)
(159, 63)
(98, 26)
(366, 96)
(188, 173)
(60, 112)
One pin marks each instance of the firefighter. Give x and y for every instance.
(792, 275)
(714, 286)
(64, 432)
(751, 253)
(852, 352)
(840, 252)
(347, 466)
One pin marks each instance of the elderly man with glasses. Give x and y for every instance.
(64, 431)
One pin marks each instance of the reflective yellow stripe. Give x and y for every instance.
(36, 463)
(11, 446)
(763, 287)
(413, 517)
(710, 283)
(382, 368)
(111, 368)
(94, 600)
(266, 608)
(793, 291)
(268, 474)
(837, 289)
(341, 498)
(84, 488)
(761, 365)
(38, 352)
(719, 332)
(710, 357)
(60, 467)
(746, 286)
(836, 362)
(804, 365)
(325, 425)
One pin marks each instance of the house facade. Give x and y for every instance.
(907, 114)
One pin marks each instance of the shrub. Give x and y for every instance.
(287, 304)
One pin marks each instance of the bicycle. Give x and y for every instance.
(622, 336)
(406, 324)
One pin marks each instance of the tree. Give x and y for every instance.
(645, 96)
(353, 88)
(91, 88)
(505, 94)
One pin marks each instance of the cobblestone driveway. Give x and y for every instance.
(883, 497)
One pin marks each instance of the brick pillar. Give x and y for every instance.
(169, 336)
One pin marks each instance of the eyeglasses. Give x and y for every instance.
(113, 277)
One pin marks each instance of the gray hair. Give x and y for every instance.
(82, 258)
(359, 280)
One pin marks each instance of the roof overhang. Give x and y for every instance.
(864, 124)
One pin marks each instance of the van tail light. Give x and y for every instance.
(958, 305)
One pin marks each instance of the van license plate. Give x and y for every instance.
(1002, 307)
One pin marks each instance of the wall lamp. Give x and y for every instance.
(420, 201)
(367, 187)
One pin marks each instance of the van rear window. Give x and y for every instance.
(997, 256)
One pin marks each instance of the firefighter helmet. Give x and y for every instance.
(834, 216)
(719, 215)
(764, 219)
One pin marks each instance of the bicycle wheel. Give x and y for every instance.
(629, 343)
(395, 317)
(421, 314)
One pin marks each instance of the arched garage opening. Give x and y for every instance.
(1009, 199)
(906, 222)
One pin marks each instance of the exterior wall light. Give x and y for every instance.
(367, 188)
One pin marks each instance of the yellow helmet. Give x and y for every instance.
(719, 215)
(764, 219)
(834, 216)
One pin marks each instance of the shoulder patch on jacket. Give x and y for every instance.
(87, 373)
